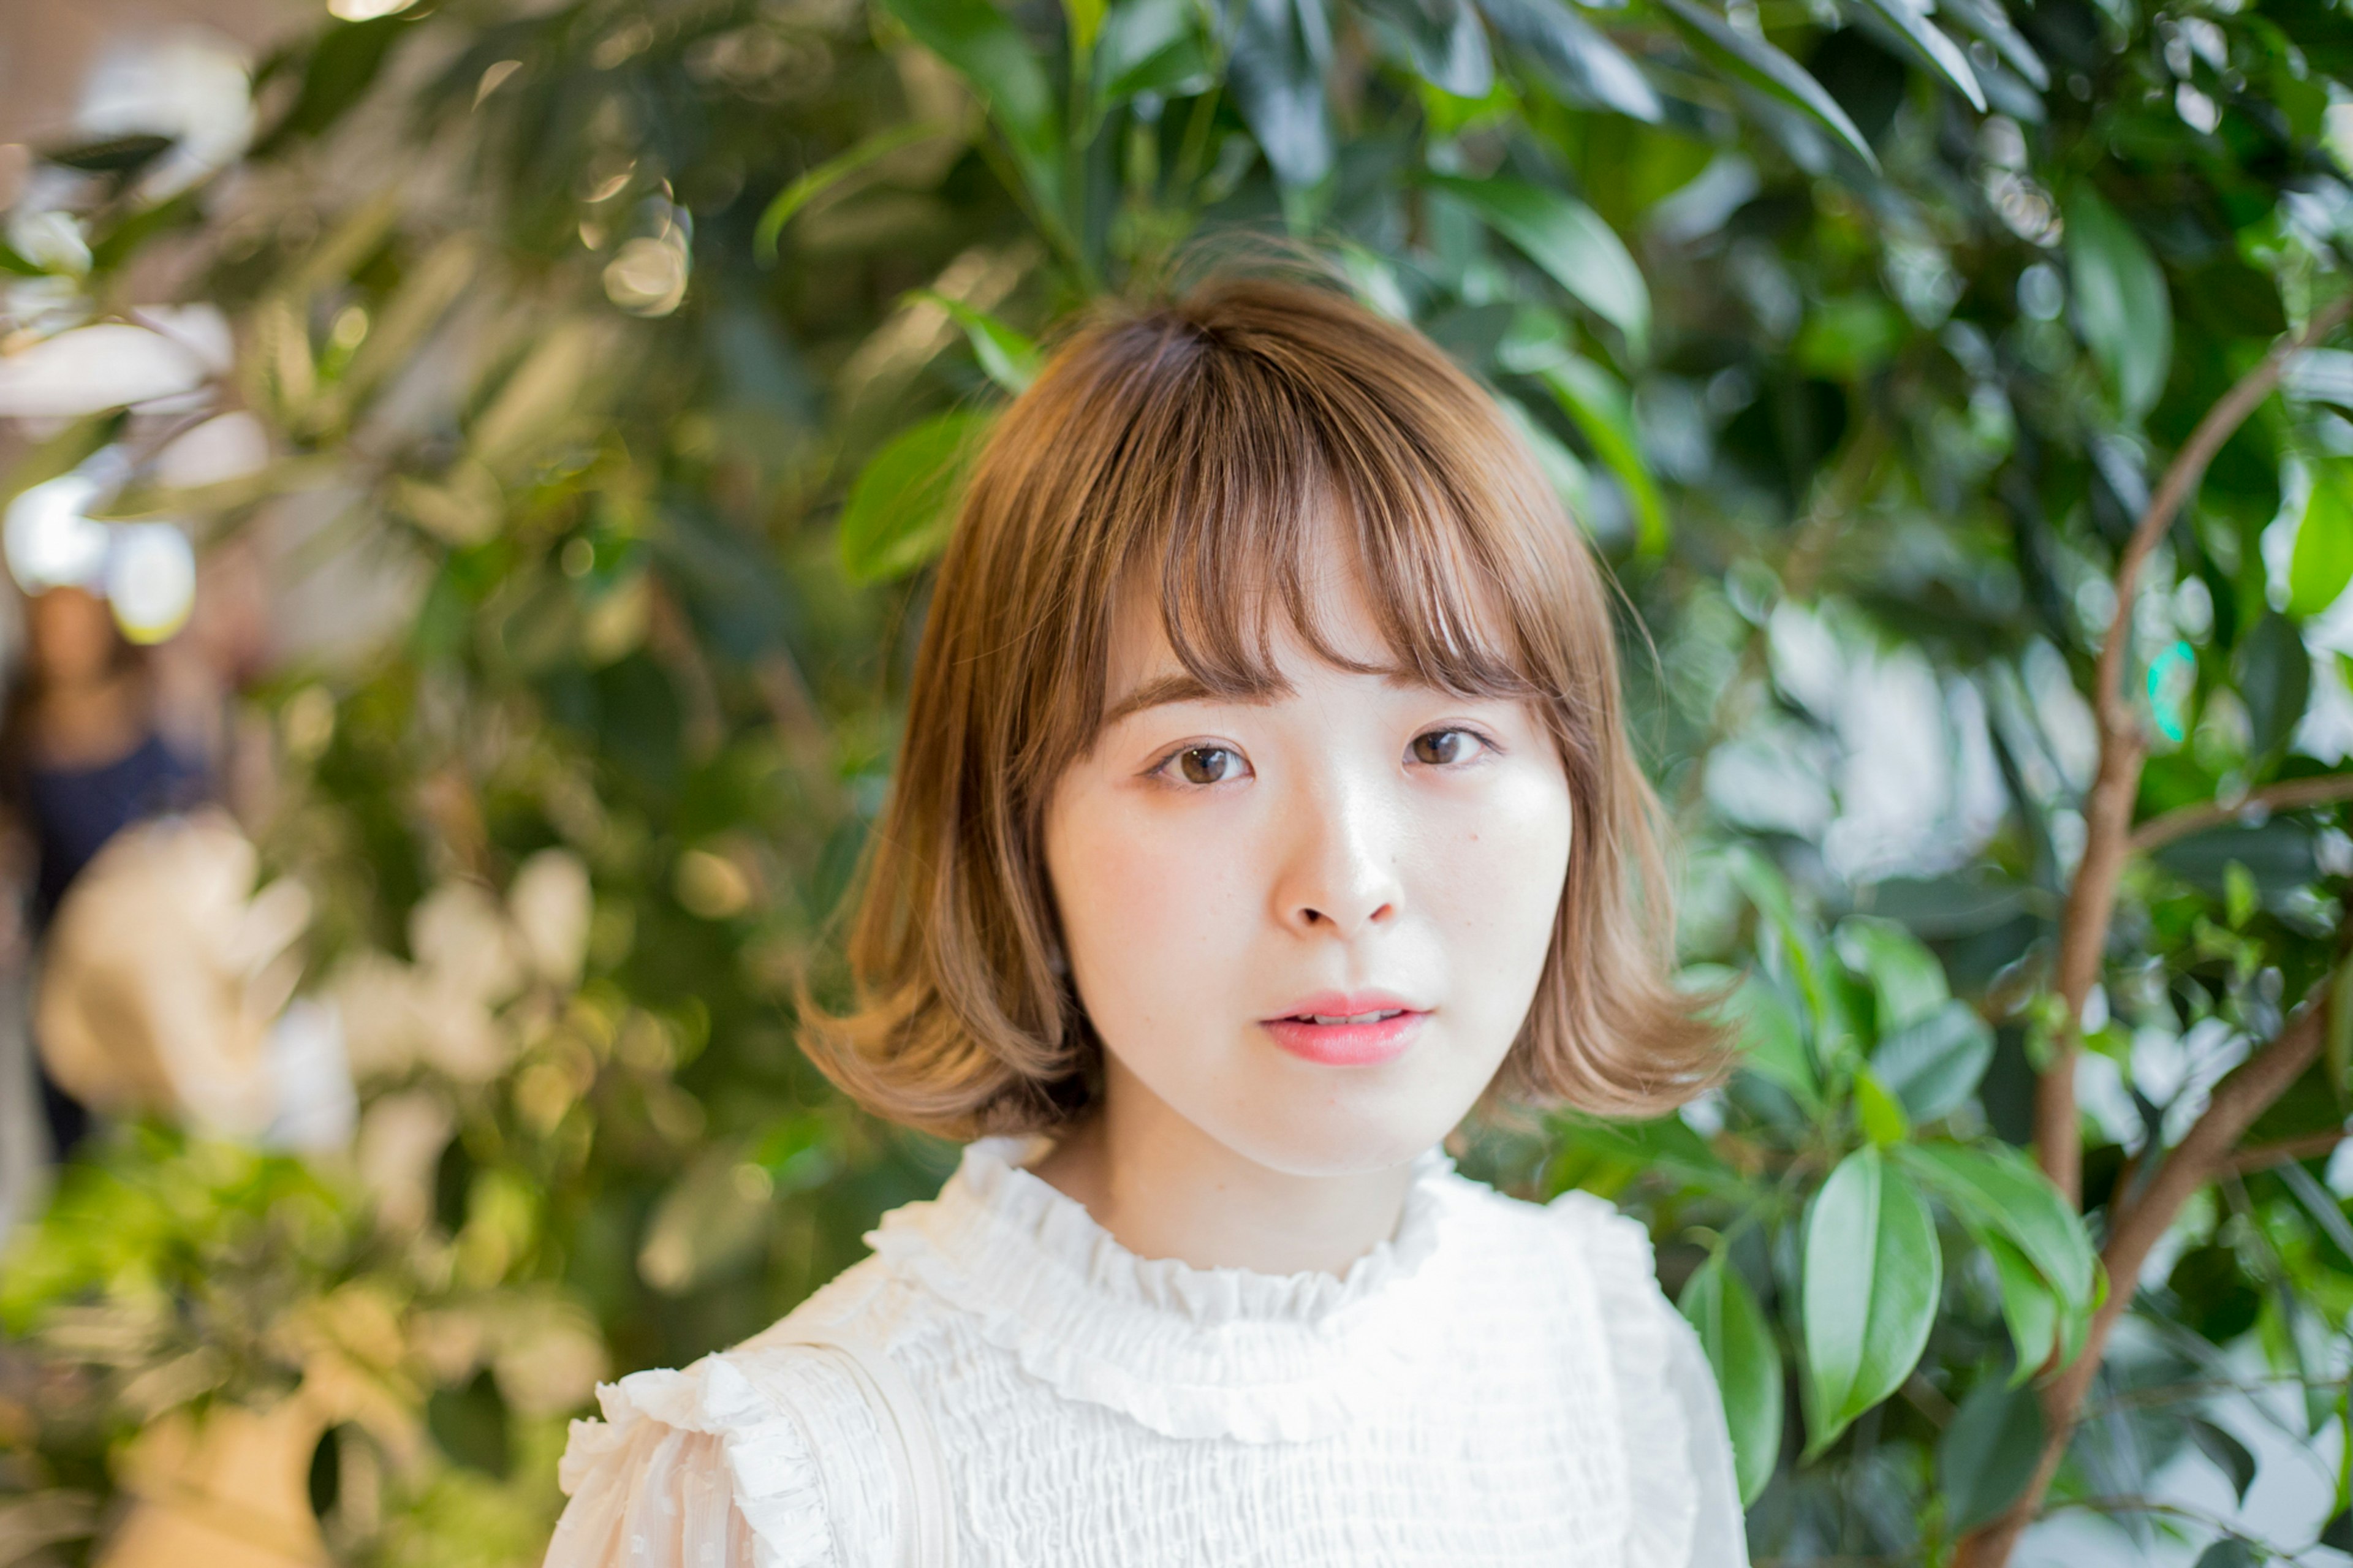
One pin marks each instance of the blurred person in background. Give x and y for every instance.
(84, 754)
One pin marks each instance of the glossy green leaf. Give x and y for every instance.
(2322, 563)
(987, 51)
(900, 508)
(1872, 1276)
(1276, 73)
(1151, 45)
(1604, 415)
(1562, 468)
(1989, 1452)
(2230, 1456)
(1441, 39)
(1934, 1064)
(1665, 1143)
(831, 173)
(2228, 1552)
(2028, 1307)
(1009, 357)
(1746, 1362)
(1767, 69)
(1995, 1187)
(2122, 307)
(2274, 675)
(1907, 980)
(1568, 241)
(1877, 1112)
(1942, 55)
(1774, 1045)
(1085, 22)
(1987, 20)
(1574, 56)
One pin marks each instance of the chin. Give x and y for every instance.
(1338, 1135)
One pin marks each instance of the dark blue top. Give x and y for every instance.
(72, 812)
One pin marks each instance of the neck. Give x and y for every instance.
(1163, 1188)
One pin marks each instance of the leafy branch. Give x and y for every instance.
(2137, 1222)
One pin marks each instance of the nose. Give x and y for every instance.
(1338, 872)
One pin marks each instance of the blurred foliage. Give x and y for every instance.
(630, 347)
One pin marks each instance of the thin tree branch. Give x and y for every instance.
(2290, 795)
(2134, 1229)
(2262, 1156)
(2107, 814)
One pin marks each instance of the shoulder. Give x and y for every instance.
(1670, 1419)
(1577, 1227)
(767, 1453)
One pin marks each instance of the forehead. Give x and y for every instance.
(1332, 614)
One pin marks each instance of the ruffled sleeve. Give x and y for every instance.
(697, 1468)
(1685, 1506)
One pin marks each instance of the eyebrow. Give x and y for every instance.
(1159, 693)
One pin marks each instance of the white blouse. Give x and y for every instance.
(1498, 1383)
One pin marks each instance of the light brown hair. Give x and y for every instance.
(1190, 449)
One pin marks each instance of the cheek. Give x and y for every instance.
(1495, 886)
(1145, 908)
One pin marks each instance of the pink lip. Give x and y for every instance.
(1347, 1045)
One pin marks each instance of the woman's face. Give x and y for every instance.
(1311, 926)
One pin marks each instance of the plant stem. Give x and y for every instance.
(2107, 815)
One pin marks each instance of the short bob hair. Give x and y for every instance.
(1193, 448)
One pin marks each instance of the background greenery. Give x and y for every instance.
(642, 339)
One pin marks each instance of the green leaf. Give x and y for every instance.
(1747, 1367)
(1010, 359)
(1604, 415)
(901, 507)
(984, 47)
(2230, 1456)
(2028, 1307)
(2122, 308)
(2274, 676)
(1984, 18)
(2240, 896)
(2231, 1552)
(1441, 39)
(1665, 1143)
(123, 155)
(1563, 469)
(1877, 1112)
(1942, 55)
(1935, 1064)
(1872, 1276)
(1775, 1045)
(1994, 1188)
(1151, 45)
(831, 173)
(1987, 1453)
(1086, 23)
(343, 64)
(1575, 57)
(1568, 241)
(1907, 980)
(1276, 76)
(1767, 69)
(2323, 559)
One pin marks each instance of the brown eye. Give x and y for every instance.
(1205, 764)
(1440, 747)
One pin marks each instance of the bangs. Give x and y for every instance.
(1236, 472)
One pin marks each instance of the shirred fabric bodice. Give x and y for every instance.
(1498, 1383)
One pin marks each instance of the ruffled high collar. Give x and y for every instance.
(1186, 1352)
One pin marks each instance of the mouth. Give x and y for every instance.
(1347, 1031)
